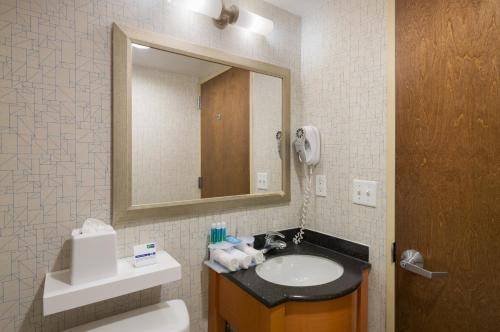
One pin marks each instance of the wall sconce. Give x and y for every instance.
(224, 16)
(244, 19)
(211, 8)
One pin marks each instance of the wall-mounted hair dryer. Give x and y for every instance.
(308, 145)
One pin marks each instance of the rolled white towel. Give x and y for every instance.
(257, 255)
(244, 260)
(225, 259)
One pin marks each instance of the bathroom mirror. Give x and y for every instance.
(195, 129)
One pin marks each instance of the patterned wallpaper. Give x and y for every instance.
(344, 94)
(55, 151)
(166, 136)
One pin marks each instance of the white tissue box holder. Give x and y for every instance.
(93, 256)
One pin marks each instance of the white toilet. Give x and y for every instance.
(170, 316)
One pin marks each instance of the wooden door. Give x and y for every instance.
(448, 163)
(225, 134)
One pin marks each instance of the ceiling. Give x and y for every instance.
(298, 7)
(171, 62)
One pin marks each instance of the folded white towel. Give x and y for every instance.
(257, 255)
(244, 260)
(225, 259)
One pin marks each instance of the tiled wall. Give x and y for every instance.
(166, 144)
(344, 94)
(55, 151)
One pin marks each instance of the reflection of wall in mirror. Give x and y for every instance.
(266, 108)
(166, 136)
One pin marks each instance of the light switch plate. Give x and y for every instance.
(364, 193)
(321, 185)
(262, 183)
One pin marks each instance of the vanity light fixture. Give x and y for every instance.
(232, 15)
(211, 8)
(140, 47)
(244, 19)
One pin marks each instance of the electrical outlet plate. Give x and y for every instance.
(364, 193)
(262, 183)
(321, 185)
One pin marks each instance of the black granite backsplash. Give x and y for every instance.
(346, 247)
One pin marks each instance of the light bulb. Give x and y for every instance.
(253, 22)
(211, 8)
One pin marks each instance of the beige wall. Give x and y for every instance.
(166, 136)
(55, 129)
(344, 95)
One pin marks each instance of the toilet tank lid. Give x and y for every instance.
(170, 316)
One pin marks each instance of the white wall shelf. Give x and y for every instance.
(60, 295)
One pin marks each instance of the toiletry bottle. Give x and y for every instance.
(224, 231)
(218, 232)
(213, 233)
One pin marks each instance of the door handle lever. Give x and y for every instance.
(413, 261)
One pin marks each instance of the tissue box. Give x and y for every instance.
(93, 255)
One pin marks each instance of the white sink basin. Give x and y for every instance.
(299, 270)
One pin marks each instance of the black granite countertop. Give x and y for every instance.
(316, 244)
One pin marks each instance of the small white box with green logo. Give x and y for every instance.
(145, 254)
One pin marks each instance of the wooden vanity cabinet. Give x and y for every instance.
(229, 303)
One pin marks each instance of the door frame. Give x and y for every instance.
(390, 323)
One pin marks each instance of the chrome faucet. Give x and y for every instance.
(272, 243)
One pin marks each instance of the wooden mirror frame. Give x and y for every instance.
(123, 210)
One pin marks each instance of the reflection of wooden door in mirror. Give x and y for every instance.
(225, 134)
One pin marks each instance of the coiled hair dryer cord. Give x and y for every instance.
(305, 206)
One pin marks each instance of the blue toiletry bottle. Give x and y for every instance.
(218, 232)
(224, 231)
(213, 233)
